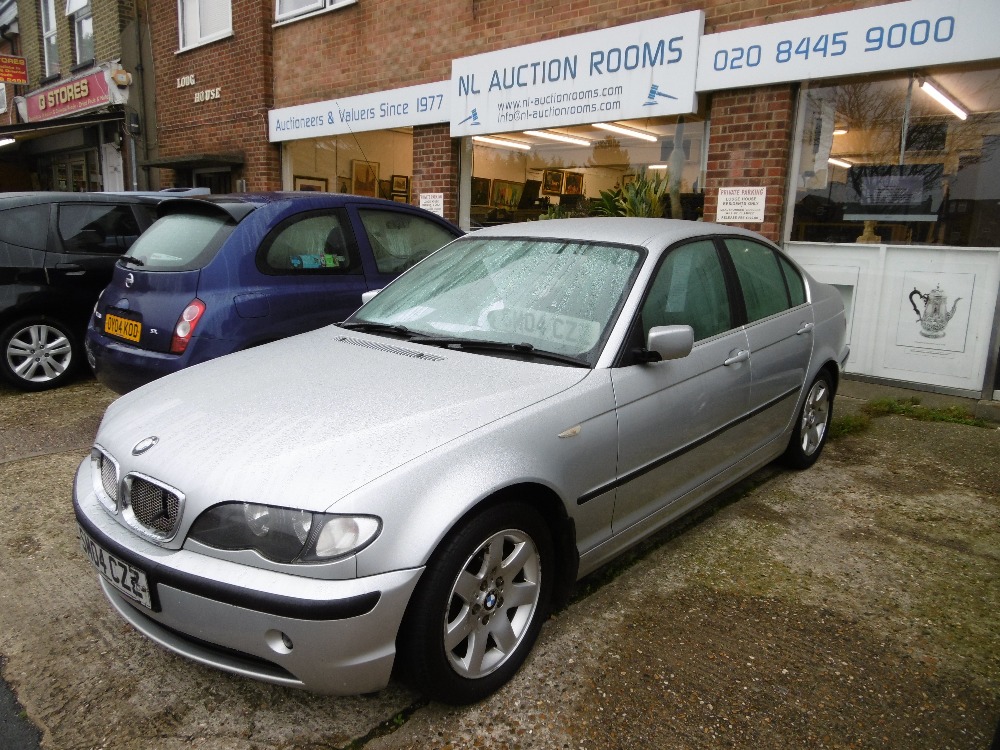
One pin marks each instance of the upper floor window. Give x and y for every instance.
(288, 9)
(203, 21)
(83, 29)
(50, 46)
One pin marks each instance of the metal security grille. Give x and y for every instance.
(109, 479)
(153, 506)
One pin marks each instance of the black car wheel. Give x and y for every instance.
(812, 426)
(479, 607)
(38, 353)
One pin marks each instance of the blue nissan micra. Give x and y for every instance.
(219, 274)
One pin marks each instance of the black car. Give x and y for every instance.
(57, 252)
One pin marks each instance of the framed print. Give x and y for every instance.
(552, 180)
(480, 191)
(506, 194)
(312, 184)
(400, 183)
(384, 189)
(574, 183)
(401, 197)
(364, 178)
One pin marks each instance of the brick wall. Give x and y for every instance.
(750, 143)
(239, 68)
(435, 166)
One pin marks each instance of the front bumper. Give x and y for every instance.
(326, 636)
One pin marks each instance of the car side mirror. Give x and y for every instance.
(366, 296)
(668, 342)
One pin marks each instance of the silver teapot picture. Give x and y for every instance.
(935, 316)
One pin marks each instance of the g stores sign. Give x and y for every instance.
(69, 98)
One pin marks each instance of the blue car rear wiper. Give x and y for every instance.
(131, 259)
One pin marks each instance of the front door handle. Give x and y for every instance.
(741, 356)
(806, 327)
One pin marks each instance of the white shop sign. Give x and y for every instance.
(425, 104)
(739, 205)
(433, 202)
(643, 69)
(897, 36)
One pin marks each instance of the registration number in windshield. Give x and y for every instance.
(128, 579)
(577, 333)
(123, 328)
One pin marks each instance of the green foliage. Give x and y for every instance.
(851, 424)
(911, 408)
(642, 197)
(611, 203)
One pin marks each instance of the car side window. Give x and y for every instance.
(398, 240)
(689, 289)
(97, 228)
(25, 226)
(310, 243)
(796, 287)
(765, 292)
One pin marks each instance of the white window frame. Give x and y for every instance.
(312, 9)
(195, 7)
(81, 11)
(49, 29)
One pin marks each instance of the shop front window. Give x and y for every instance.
(906, 160)
(650, 167)
(376, 163)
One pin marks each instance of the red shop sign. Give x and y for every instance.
(69, 98)
(13, 69)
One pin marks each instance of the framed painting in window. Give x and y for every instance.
(552, 182)
(364, 178)
(311, 184)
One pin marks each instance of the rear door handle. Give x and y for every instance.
(806, 327)
(741, 356)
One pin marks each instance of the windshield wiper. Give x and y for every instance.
(131, 259)
(499, 346)
(369, 327)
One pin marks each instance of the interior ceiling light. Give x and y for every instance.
(561, 137)
(6, 142)
(502, 142)
(841, 130)
(630, 132)
(935, 93)
(658, 166)
(839, 163)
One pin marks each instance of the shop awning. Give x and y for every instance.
(195, 161)
(26, 131)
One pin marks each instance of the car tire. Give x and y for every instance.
(812, 425)
(479, 606)
(38, 353)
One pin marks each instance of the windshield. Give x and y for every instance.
(181, 242)
(558, 296)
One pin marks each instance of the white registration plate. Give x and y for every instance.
(126, 578)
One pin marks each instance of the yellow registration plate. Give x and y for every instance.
(123, 328)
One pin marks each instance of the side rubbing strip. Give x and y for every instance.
(657, 463)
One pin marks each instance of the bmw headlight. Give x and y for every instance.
(284, 535)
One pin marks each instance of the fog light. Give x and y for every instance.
(278, 641)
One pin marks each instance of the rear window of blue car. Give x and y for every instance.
(181, 242)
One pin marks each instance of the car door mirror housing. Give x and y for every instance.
(366, 296)
(669, 342)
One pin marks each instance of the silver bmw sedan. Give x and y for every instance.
(417, 487)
